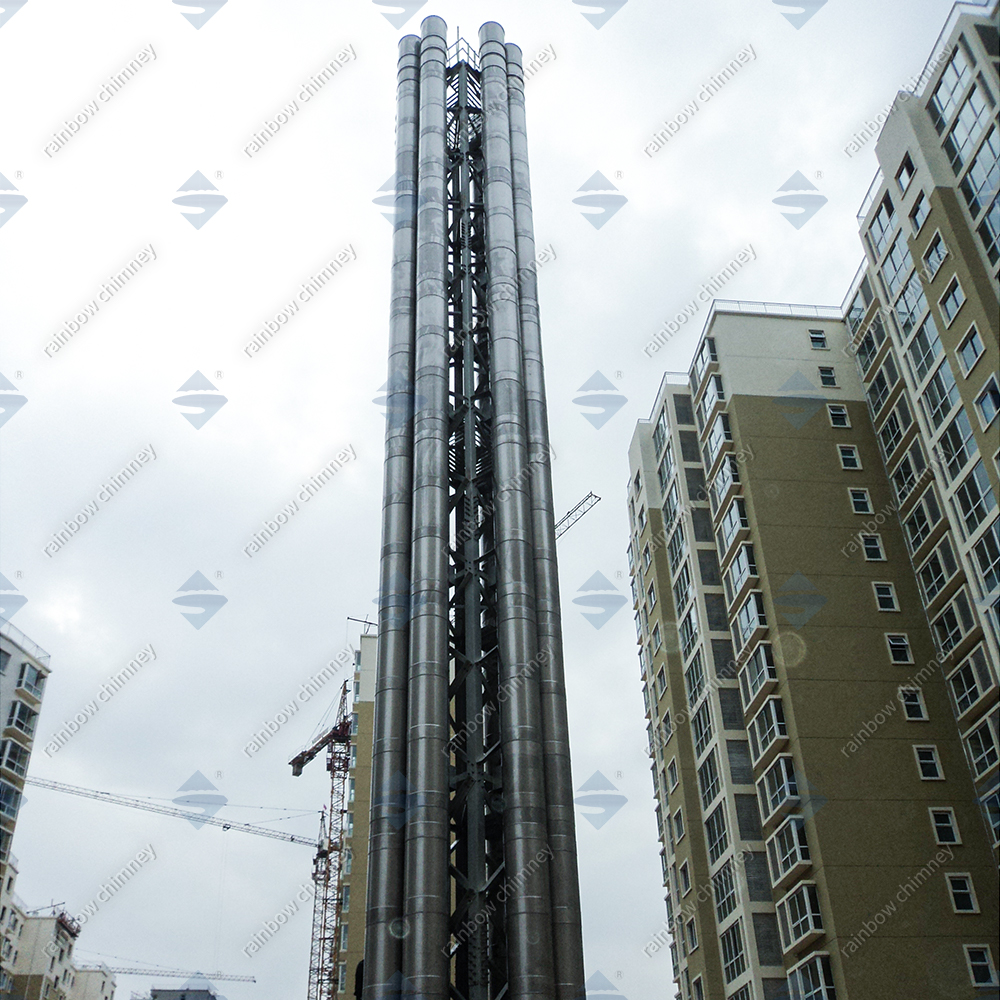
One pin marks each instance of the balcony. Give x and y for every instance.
(750, 623)
(758, 678)
(778, 790)
(768, 733)
(800, 921)
(788, 852)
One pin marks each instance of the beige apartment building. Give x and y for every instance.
(820, 835)
(353, 900)
(923, 315)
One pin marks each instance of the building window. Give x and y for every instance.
(14, 757)
(799, 915)
(987, 551)
(849, 458)
(661, 682)
(949, 90)
(827, 376)
(641, 518)
(928, 763)
(905, 173)
(951, 301)
(788, 848)
(937, 570)
(838, 414)
(975, 497)
(813, 979)
(934, 256)
(724, 889)
(957, 444)
(981, 179)
(651, 595)
(971, 681)
(860, 501)
(767, 726)
(701, 726)
(672, 776)
(989, 231)
(982, 746)
(899, 648)
(734, 962)
(759, 670)
(679, 824)
(872, 544)
(988, 402)
(953, 623)
(647, 557)
(685, 879)
(919, 213)
(698, 990)
(676, 548)
(885, 596)
(682, 589)
(912, 700)
(963, 895)
(970, 350)
(22, 717)
(694, 680)
(10, 800)
(981, 969)
(692, 935)
(733, 521)
(969, 126)
(657, 640)
(883, 223)
(926, 513)
(708, 780)
(749, 618)
(716, 833)
(817, 340)
(778, 785)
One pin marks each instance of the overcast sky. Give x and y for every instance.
(305, 397)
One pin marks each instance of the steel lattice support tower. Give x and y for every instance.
(473, 888)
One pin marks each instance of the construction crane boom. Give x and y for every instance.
(219, 977)
(328, 864)
(568, 520)
(153, 807)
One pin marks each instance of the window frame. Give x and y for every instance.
(953, 288)
(828, 376)
(889, 636)
(881, 557)
(970, 891)
(935, 760)
(841, 410)
(921, 704)
(818, 341)
(989, 960)
(851, 490)
(842, 450)
(931, 810)
(891, 594)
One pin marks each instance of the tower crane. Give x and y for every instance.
(328, 864)
(219, 977)
(568, 520)
(154, 807)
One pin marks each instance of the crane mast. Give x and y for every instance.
(328, 864)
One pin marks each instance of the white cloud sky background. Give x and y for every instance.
(309, 393)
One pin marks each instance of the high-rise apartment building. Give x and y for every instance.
(24, 667)
(815, 561)
(818, 820)
(923, 315)
(352, 926)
